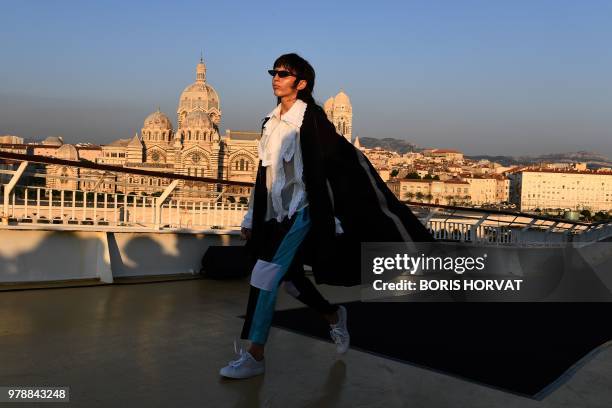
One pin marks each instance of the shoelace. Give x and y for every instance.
(241, 360)
(243, 355)
(337, 334)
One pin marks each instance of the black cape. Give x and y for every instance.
(340, 181)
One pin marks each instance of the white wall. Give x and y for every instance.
(40, 255)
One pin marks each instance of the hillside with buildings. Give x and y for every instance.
(556, 184)
(388, 143)
(593, 160)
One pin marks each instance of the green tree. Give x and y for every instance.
(409, 195)
(601, 216)
(394, 173)
(413, 175)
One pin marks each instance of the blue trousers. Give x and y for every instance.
(281, 264)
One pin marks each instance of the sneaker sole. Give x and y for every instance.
(239, 377)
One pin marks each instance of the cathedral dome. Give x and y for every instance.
(200, 96)
(197, 120)
(157, 121)
(342, 99)
(53, 141)
(67, 152)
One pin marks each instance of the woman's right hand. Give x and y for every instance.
(245, 233)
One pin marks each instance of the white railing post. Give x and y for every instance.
(73, 214)
(124, 220)
(115, 209)
(37, 203)
(200, 215)
(134, 204)
(25, 201)
(50, 204)
(105, 207)
(160, 200)
(84, 206)
(62, 205)
(95, 208)
(8, 188)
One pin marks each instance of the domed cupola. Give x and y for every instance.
(157, 127)
(157, 120)
(67, 152)
(199, 96)
(342, 102)
(197, 127)
(339, 111)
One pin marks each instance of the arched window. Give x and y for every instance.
(241, 164)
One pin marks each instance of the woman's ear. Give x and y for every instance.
(302, 84)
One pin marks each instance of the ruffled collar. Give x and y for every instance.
(280, 143)
(295, 114)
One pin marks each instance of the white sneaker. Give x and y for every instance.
(339, 332)
(244, 367)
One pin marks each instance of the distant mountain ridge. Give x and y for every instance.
(388, 143)
(594, 160)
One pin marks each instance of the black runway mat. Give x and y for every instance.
(523, 348)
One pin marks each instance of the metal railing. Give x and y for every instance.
(40, 205)
(169, 201)
(175, 201)
(498, 227)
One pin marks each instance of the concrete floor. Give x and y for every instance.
(162, 344)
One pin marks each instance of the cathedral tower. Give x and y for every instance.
(339, 111)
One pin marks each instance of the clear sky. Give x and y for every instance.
(484, 76)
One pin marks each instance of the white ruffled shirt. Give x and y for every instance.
(280, 152)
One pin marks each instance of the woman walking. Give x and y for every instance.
(302, 211)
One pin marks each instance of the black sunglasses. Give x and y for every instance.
(281, 74)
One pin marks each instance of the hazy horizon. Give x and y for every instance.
(523, 78)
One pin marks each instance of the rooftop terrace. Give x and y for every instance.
(161, 344)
